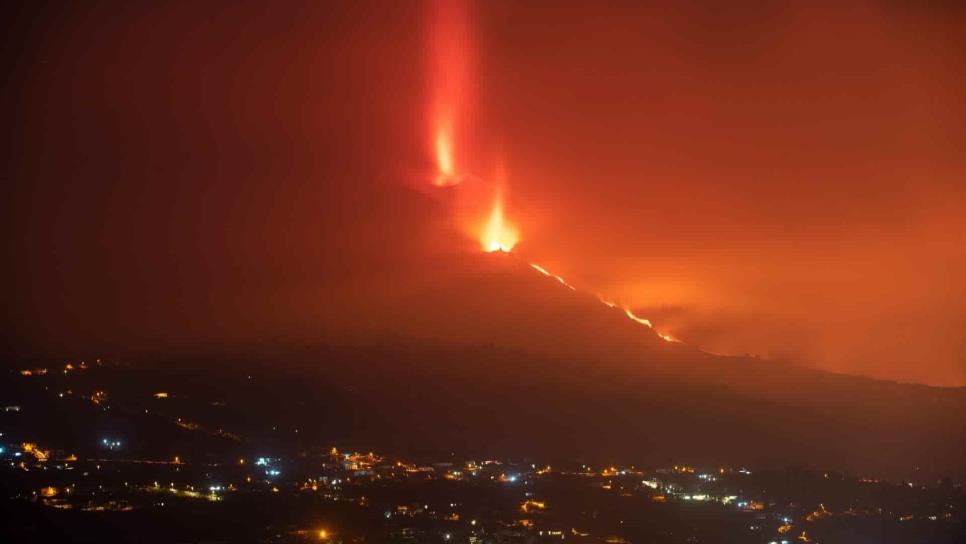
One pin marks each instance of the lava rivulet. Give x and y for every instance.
(545, 272)
(641, 320)
(627, 311)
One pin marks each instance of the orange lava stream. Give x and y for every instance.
(544, 271)
(641, 320)
(627, 311)
(499, 235)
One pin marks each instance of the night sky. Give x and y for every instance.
(780, 180)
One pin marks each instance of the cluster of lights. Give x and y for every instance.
(111, 444)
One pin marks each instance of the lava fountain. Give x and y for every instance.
(498, 234)
(450, 71)
(450, 59)
(444, 156)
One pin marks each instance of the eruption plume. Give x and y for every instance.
(449, 75)
(498, 235)
(444, 157)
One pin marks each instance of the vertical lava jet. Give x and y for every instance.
(450, 70)
(450, 53)
(498, 234)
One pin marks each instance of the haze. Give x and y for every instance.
(777, 180)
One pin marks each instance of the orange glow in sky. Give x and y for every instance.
(783, 180)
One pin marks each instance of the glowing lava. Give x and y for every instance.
(641, 320)
(646, 322)
(444, 157)
(450, 65)
(498, 235)
(545, 272)
(627, 311)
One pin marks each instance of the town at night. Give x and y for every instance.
(113, 456)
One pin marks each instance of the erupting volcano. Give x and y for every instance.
(449, 76)
(569, 272)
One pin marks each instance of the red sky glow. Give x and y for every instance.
(787, 181)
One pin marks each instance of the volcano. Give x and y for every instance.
(495, 358)
(420, 342)
(527, 365)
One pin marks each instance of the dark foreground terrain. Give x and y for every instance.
(511, 451)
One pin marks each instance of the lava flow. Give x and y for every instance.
(547, 273)
(499, 235)
(627, 311)
(450, 79)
